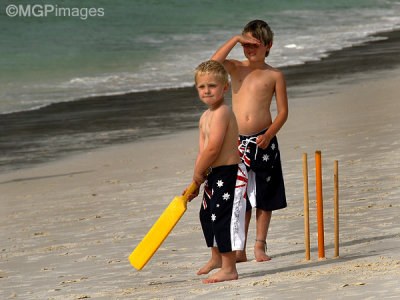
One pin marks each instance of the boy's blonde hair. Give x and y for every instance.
(261, 31)
(211, 67)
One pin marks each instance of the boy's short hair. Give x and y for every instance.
(211, 67)
(261, 31)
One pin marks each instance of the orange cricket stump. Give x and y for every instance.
(306, 207)
(336, 206)
(320, 207)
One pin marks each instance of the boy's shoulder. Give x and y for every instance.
(270, 72)
(223, 113)
(264, 67)
(274, 72)
(226, 107)
(223, 109)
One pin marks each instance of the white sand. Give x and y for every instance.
(67, 228)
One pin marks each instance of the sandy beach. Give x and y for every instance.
(68, 227)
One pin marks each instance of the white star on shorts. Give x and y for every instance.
(213, 217)
(268, 178)
(220, 183)
(273, 146)
(226, 196)
(265, 157)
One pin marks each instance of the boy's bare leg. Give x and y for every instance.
(241, 254)
(263, 220)
(228, 269)
(214, 263)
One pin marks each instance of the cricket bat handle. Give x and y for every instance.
(190, 190)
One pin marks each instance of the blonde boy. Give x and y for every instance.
(223, 209)
(253, 85)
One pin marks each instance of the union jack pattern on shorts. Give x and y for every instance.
(241, 179)
(207, 193)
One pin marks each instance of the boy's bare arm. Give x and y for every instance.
(201, 144)
(223, 52)
(281, 117)
(201, 148)
(210, 153)
(201, 137)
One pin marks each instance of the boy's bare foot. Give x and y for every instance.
(241, 256)
(221, 275)
(261, 256)
(211, 265)
(260, 249)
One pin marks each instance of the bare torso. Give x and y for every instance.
(252, 92)
(228, 154)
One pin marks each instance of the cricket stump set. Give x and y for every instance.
(320, 209)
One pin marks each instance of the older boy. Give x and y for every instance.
(223, 209)
(253, 85)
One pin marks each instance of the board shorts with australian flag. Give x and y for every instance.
(266, 188)
(223, 209)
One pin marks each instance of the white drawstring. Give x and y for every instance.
(245, 143)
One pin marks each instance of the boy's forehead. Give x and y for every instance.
(207, 75)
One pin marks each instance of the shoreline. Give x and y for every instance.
(58, 130)
(69, 226)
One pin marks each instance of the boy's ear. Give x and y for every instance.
(269, 45)
(226, 87)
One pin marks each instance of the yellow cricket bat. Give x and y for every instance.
(160, 230)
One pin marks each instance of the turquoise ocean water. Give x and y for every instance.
(149, 45)
(78, 82)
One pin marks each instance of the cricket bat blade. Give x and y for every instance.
(160, 230)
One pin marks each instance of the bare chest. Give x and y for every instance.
(256, 83)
